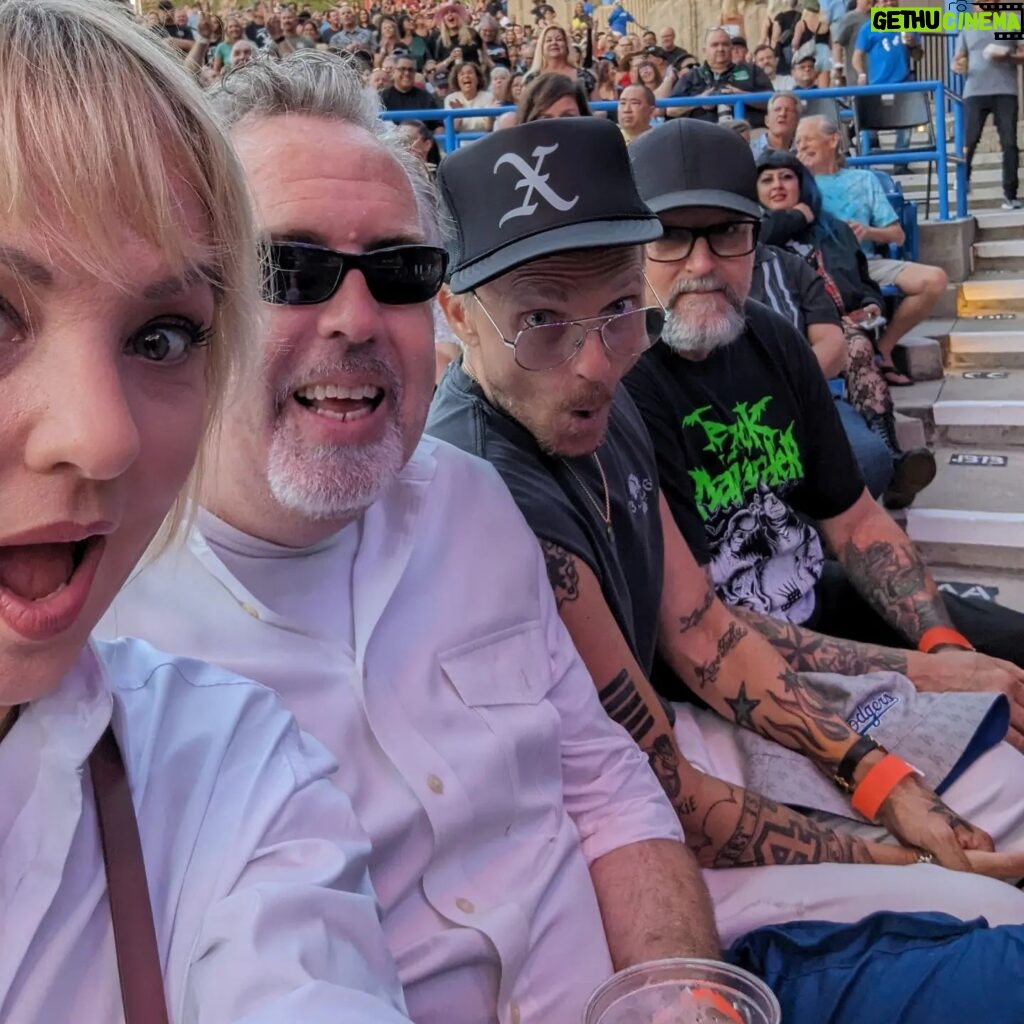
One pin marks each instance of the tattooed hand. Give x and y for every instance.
(918, 818)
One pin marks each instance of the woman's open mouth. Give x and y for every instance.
(44, 586)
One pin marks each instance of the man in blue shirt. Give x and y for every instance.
(619, 18)
(889, 59)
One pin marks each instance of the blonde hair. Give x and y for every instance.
(538, 54)
(99, 128)
(465, 36)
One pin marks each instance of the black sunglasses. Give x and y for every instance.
(301, 274)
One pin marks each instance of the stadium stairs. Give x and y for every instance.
(968, 403)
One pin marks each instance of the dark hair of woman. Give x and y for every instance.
(546, 90)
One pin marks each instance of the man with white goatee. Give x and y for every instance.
(388, 588)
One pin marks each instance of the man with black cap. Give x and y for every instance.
(546, 296)
(742, 419)
(718, 75)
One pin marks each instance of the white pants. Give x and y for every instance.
(987, 794)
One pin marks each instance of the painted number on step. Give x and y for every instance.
(985, 375)
(995, 316)
(978, 590)
(970, 459)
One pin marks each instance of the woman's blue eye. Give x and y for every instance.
(168, 341)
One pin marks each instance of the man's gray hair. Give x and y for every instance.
(829, 127)
(783, 94)
(327, 86)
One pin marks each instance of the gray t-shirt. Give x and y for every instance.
(986, 77)
(845, 35)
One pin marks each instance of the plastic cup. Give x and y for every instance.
(683, 991)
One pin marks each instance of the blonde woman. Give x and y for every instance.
(453, 41)
(554, 54)
(171, 846)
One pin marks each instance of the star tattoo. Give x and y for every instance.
(742, 707)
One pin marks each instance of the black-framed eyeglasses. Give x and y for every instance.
(728, 239)
(302, 274)
(549, 345)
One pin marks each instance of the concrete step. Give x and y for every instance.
(973, 512)
(981, 197)
(980, 407)
(999, 226)
(973, 346)
(988, 293)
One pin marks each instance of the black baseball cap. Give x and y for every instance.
(689, 163)
(532, 191)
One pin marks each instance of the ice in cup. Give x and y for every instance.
(683, 991)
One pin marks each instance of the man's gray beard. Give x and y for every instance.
(696, 337)
(336, 481)
(331, 481)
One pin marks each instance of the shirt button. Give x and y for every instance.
(250, 610)
(514, 1015)
(435, 784)
(466, 906)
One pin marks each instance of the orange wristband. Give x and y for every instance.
(709, 997)
(939, 635)
(879, 782)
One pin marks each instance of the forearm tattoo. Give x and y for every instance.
(896, 583)
(707, 674)
(809, 721)
(742, 707)
(807, 651)
(563, 575)
(665, 765)
(694, 619)
(767, 833)
(624, 705)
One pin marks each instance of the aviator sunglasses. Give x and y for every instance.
(302, 274)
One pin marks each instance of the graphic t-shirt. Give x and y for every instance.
(559, 498)
(753, 432)
(888, 56)
(853, 194)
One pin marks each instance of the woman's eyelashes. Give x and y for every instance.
(168, 340)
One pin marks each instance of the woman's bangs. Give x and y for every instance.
(87, 152)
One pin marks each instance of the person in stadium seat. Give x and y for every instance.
(781, 121)
(550, 315)
(794, 219)
(171, 847)
(762, 515)
(522, 849)
(855, 196)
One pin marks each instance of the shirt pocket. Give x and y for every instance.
(514, 776)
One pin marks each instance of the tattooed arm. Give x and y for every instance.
(735, 669)
(886, 569)
(725, 826)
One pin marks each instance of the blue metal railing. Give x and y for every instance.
(939, 154)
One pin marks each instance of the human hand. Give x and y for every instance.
(731, 89)
(1007, 867)
(960, 64)
(456, 55)
(454, 103)
(807, 212)
(860, 231)
(953, 670)
(918, 818)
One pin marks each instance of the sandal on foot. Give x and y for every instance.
(893, 377)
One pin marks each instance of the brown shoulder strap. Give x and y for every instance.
(138, 959)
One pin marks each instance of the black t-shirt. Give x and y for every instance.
(785, 283)
(745, 77)
(629, 564)
(415, 99)
(753, 433)
(175, 32)
(498, 52)
(470, 51)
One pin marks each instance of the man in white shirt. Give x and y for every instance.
(522, 847)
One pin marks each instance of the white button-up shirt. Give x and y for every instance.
(469, 733)
(255, 862)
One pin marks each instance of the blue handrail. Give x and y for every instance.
(939, 154)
